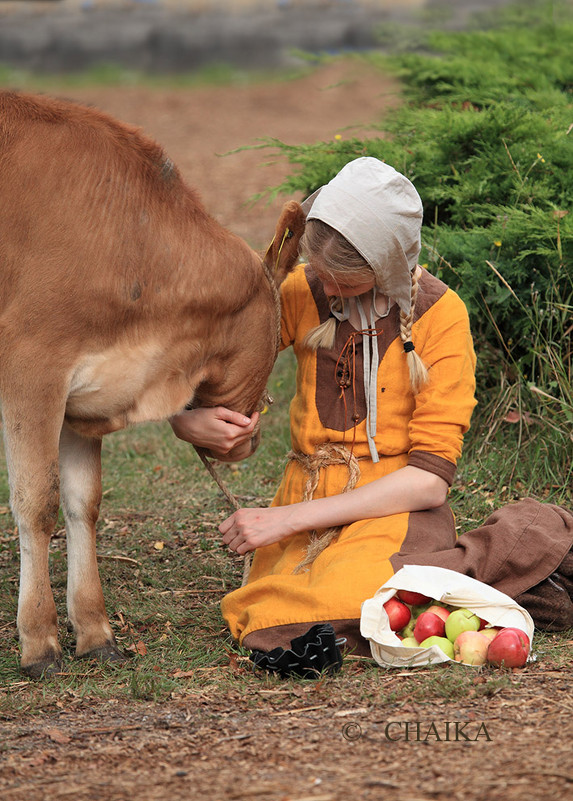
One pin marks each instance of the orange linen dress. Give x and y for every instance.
(423, 430)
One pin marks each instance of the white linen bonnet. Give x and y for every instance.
(379, 211)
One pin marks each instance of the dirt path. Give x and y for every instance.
(197, 126)
(301, 743)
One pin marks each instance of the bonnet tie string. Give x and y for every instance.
(370, 356)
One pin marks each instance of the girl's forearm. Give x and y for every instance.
(409, 489)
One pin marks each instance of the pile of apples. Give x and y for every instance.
(419, 621)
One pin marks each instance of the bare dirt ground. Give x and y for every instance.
(301, 743)
(288, 742)
(197, 127)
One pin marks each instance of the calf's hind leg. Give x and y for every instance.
(80, 483)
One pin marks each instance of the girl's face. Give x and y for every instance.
(335, 286)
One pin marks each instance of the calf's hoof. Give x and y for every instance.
(109, 652)
(47, 666)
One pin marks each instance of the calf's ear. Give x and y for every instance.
(282, 253)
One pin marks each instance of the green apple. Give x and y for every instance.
(442, 642)
(490, 632)
(410, 642)
(408, 630)
(461, 620)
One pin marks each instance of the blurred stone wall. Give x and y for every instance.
(182, 35)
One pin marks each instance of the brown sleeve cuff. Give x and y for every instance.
(433, 464)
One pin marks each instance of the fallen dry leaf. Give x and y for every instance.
(139, 648)
(515, 417)
(58, 736)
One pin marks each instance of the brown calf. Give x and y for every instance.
(121, 300)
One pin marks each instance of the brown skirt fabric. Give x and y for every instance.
(524, 550)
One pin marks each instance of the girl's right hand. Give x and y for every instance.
(250, 528)
(217, 429)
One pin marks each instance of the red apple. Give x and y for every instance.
(470, 647)
(509, 648)
(428, 625)
(398, 614)
(414, 598)
(439, 611)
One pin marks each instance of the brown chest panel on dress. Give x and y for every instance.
(340, 398)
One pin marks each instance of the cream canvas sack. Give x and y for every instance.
(443, 585)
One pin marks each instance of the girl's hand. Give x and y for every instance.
(218, 429)
(248, 529)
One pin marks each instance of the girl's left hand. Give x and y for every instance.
(250, 528)
(221, 431)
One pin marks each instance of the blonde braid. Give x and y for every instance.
(324, 334)
(417, 369)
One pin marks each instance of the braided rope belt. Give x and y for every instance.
(324, 456)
